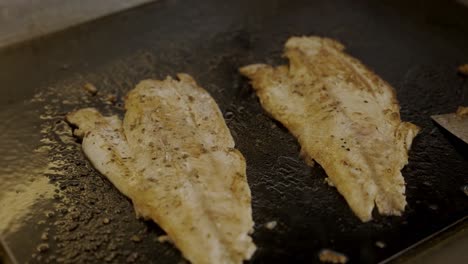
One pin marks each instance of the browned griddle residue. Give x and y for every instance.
(331, 256)
(87, 210)
(462, 111)
(90, 88)
(463, 69)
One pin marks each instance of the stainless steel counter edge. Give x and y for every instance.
(21, 20)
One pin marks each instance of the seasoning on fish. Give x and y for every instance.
(345, 118)
(174, 157)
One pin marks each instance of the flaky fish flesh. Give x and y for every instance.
(345, 118)
(174, 157)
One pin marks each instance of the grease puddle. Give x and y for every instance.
(23, 165)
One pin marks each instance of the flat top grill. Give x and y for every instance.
(414, 46)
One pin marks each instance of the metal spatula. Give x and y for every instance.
(456, 124)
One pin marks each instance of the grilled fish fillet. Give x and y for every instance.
(345, 118)
(174, 157)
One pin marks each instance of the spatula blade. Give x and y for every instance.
(455, 124)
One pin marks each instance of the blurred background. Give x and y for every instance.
(24, 19)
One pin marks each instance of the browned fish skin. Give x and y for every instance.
(344, 116)
(174, 157)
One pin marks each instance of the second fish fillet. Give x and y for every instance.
(344, 116)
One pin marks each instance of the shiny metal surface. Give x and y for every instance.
(456, 125)
(446, 246)
(21, 20)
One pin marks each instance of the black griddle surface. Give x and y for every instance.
(414, 46)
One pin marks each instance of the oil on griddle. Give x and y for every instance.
(88, 220)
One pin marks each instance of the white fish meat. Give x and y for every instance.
(174, 157)
(345, 118)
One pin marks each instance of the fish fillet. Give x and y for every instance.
(345, 118)
(174, 157)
